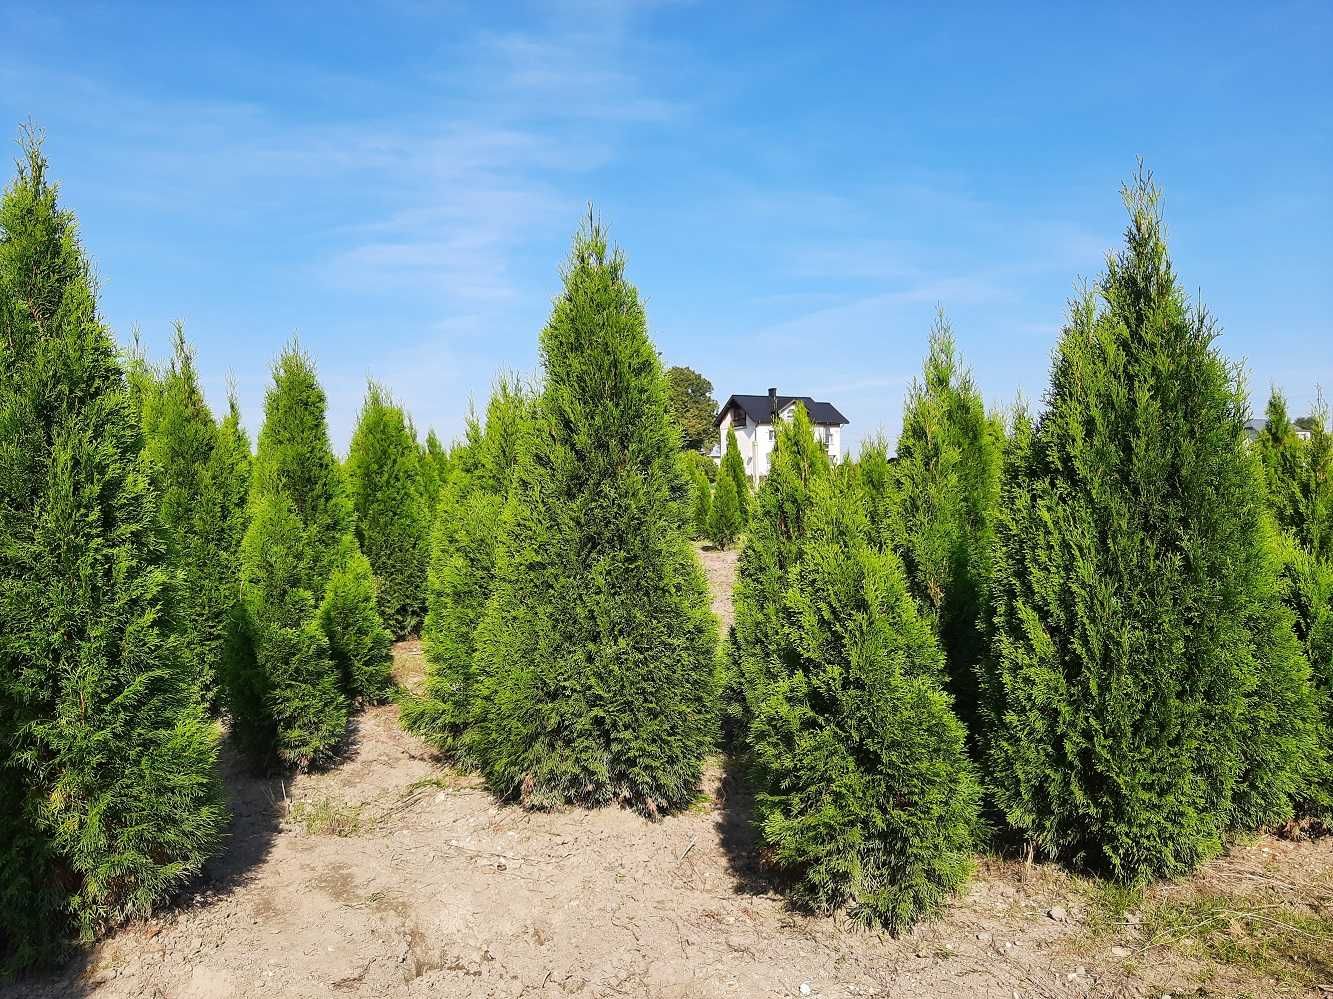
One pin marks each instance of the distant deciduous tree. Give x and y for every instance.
(692, 406)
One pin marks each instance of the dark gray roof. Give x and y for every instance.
(757, 408)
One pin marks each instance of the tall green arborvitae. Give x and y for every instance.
(462, 565)
(1299, 477)
(733, 467)
(595, 657)
(724, 513)
(383, 470)
(874, 470)
(108, 767)
(948, 487)
(1281, 453)
(434, 469)
(772, 545)
(310, 637)
(201, 472)
(282, 684)
(701, 500)
(1145, 692)
(867, 794)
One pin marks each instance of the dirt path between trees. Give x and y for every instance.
(389, 876)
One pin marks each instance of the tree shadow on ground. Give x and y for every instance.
(737, 833)
(257, 803)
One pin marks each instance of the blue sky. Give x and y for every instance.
(797, 187)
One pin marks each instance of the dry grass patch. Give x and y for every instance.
(1245, 926)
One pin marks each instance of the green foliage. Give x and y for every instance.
(434, 469)
(690, 397)
(595, 657)
(733, 467)
(286, 700)
(201, 471)
(1144, 692)
(701, 500)
(109, 768)
(310, 636)
(948, 488)
(874, 470)
(868, 796)
(294, 459)
(724, 513)
(384, 477)
(759, 641)
(462, 565)
(361, 646)
(696, 461)
(1299, 478)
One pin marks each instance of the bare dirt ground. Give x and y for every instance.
(390, 876)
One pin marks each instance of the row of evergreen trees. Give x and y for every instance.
(155, 575)
(1126, 607)
(1113, 623)
(719, 511)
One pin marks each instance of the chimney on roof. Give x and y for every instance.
(773, 402)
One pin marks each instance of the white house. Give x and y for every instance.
(752, 417)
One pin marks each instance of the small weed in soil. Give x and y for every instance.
(327, 817)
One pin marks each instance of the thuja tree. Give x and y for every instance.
(1145, 690)
(384, 477)
(948, 488)
(201, 472)
(701, 498)
(867, 793)
(724, 512)
(109, 767)
(733, 467)
(596, 653)
(1299, 477)
(772, 544)
(434, 469)
(874, 471)
(311, 637)
(462, 565)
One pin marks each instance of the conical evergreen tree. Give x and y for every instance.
(311, 637)
(759, 641)
(361, 646)
(867, 793)
(733, 467)
(1299, 477)
(1144, 691)
(1282, 455)
(108, 768)
(874, 470)
(283, 685)
(948, 487)
(701, 502)
(596, 653)
(434, 469)
(724, 514)
(201, 472)
(383, 470)
(462, 566)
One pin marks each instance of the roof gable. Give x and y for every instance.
(756, 409)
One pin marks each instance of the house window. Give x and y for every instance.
(772, 435)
